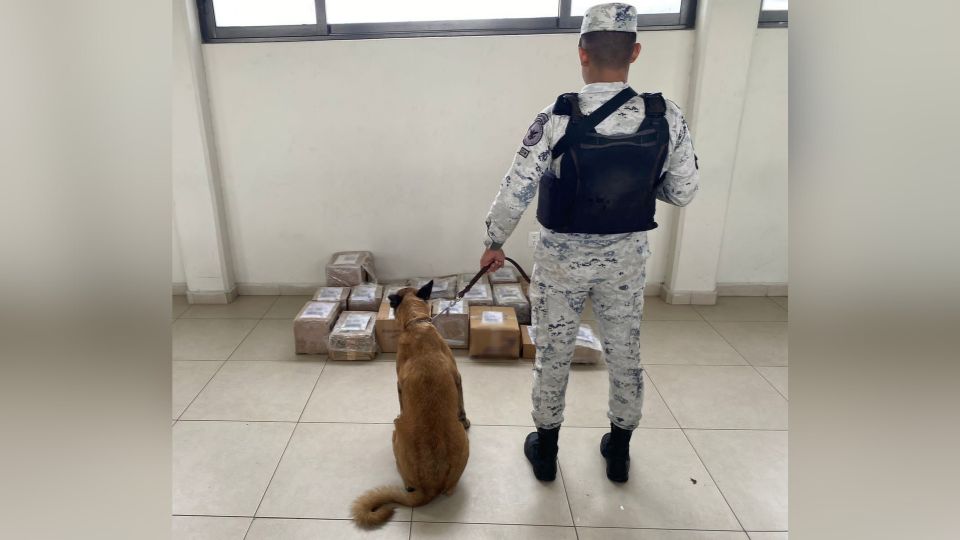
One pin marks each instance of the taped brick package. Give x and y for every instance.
(454, 325)
(366, 297)
(333, 294)
(311, 327)
(494, 332)
(504, 275)
(479, 295)
(387, 329)
(511, 295)
(528, 349)
(349, 268)
(392, 288)
(353, 338)
(444, 287)
(464, 279)
(589, 348)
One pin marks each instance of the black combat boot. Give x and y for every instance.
(615, 448)
(541, 449)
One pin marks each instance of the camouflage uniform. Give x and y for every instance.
(568, 268)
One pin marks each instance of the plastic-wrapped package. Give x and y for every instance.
(504, 275)
(479, 295)
(511, 295)
(352, 338)
(311, 327)
(333, 294)
(589, 348)
(349, 268)
(366, 297)
(454, 325)
(464, 279)
(444, 287)
(388, 328)
(392, 288)
(529, 350)
(494, 332)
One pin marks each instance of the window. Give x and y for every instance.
(287, 20)
(773, 13)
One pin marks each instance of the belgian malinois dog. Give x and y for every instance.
(429, 437)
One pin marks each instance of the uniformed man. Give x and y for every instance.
(600, 158)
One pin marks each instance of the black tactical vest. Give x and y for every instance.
(607, 183)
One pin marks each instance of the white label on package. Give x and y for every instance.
(454, 308)
(392, 315)
(319, 311)
(510, 292)
(364, 293)
(440, 285)
(355, 322)
(504, 274)
(491, 317)
(478, 291)
(584, 334)
(329, 293)
(349, 258)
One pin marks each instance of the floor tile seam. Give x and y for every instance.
(771, 382)
(244, 340)
(751, 363)
(274, 474)
(626, 527)
(566, 496)
(185, 409)
(642, 428)
(714, 480)
(696, 453)
(287, 446)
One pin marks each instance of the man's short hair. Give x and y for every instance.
(609, 49)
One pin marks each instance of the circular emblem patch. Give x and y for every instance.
(535, 133)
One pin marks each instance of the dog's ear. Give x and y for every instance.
(395, 300)
(424, 292)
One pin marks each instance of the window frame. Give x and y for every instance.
(563, 23)
(773, 18)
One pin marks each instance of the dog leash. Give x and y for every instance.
(474, 281)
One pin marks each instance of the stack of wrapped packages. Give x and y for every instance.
(311, 327)
(480, 294)
(365, 297)
(387, 328)
(349, 268)
(454, 323)
(511, 295)
(444, 288)
(588, 348)
(353, 337)
(494, 332)
(504, 275)
(333, 294)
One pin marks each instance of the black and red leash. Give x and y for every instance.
(474, 281)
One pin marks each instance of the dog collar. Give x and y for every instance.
(418, 319)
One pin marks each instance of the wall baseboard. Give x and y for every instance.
(212, 297)
(652, 289)
(752, 289)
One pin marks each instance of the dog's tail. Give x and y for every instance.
(373, 507)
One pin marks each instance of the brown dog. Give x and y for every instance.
(429, 437)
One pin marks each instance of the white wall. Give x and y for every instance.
(397, 146)
(754, 248)
(177, 271)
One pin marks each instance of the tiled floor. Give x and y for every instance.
(271, 445)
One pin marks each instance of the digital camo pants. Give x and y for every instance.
(610, 270)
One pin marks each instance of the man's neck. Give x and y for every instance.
(607, 77)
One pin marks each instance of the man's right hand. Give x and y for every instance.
(494, 256)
